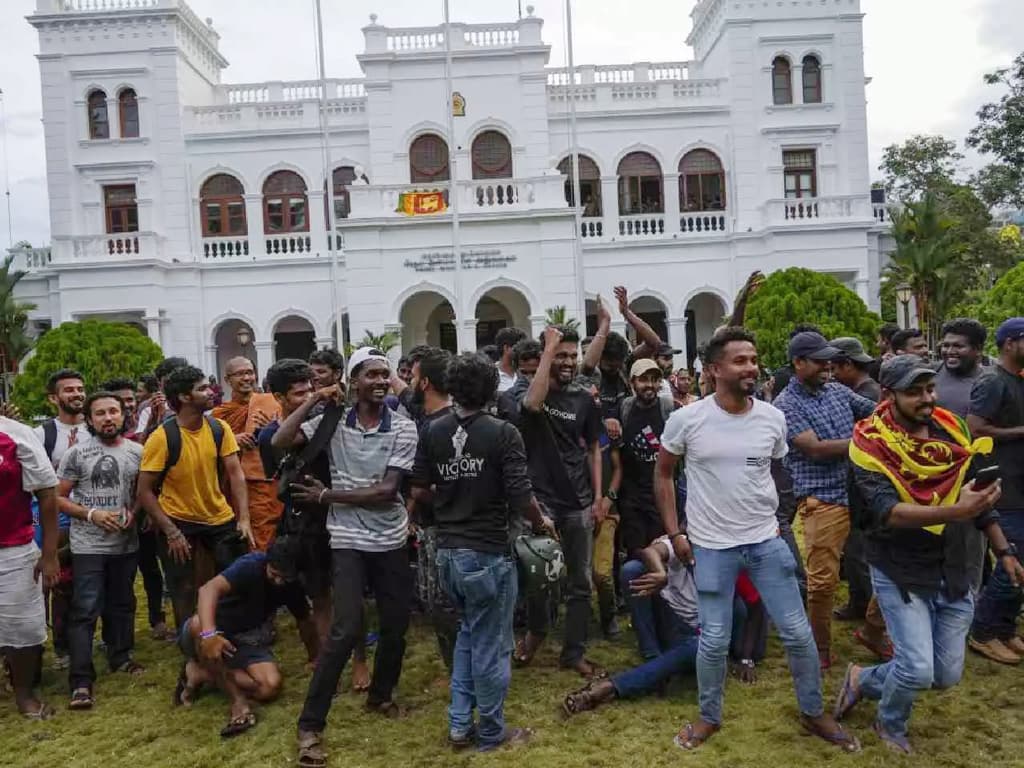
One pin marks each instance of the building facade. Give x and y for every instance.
(200, 210)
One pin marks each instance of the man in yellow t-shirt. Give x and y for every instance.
(189, 509)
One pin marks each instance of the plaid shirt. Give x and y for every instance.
(830, 413)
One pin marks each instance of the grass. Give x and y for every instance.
(134, 724)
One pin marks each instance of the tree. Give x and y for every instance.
(15, 342)
(1004, 300)
(385, 342)
(1000, 133)
(560, 316)
(798, 295)
(926, 259)
(98, 349)
(920, 164)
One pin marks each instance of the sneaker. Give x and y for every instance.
(1015, 644)
(994, 650)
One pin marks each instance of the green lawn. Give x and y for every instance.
(134, 724)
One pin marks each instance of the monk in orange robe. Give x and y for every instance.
(246, 412)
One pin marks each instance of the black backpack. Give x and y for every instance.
(49, 437)
(173, 431)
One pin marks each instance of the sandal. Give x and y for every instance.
(898, 744)
(238, 725)
(693, 740)
(81, 698)
(388, 709)
(45, 712)
(514, 737)
(526, 649)
(185, 695)
(848, 695)
(597, 672)
(588, 697)
(845, 741)
(311, 751)
(131, 667)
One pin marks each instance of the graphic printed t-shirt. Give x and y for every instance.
(731, 498)
(67, 436)
(254, 598)
(104, 477)
(191, 491)
(558, 440)
(24, 468)
(641, 438)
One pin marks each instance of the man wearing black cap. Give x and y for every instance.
(819, 422)
(914, 503)
(997, 411)
(850, 368)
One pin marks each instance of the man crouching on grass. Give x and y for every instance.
(227, 642)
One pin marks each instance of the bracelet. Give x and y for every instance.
(207, 634)
(320, 498)
(678, 535)
(175, 535)
(88, 515)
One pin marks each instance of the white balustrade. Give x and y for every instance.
(612, 95)
(499, 193)
(668, 70)
(114, 247)
(292, 243)
(703, 223)
(640, 226)
(634, 92)
(226, 248)
(251, 93)
(106, 5)
(811, 210)
(415, 39)
(592, 228)
(491, 35)
(882, 213)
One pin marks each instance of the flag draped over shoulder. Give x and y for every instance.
(924, 471)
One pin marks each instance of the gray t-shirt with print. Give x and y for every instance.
(104, 477)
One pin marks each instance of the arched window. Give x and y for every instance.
(340, 179)
(128, 112)
(782, 81)
(284, 203)
(590, 184)
(640, 185)
(701, 182)
(492, 156)
(428, 159)
(99, 124)
(222, 206)
(812, 80)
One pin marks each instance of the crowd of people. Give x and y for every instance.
(489, 492)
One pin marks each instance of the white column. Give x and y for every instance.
(671, 183)
(610, 205)
(254, 221)
(264, 358)
(677, 338)
(396, 352)
(152, 320)
(537, 325)
(466, 332)
(210, 363)
(317, 223)
(324, 342)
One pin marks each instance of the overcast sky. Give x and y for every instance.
(925, 57)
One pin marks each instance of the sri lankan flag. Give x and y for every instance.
(421, 203)
(928, 472)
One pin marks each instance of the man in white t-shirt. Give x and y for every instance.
(729, 440)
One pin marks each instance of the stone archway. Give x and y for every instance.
(294, 337)
(705, 312)
(653, 312)
(226, 340)
(428, 318)
(501, 307)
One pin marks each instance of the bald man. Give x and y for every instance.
(246, 413)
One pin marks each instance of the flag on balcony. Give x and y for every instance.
(421, 203)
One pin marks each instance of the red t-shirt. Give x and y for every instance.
(15, 501)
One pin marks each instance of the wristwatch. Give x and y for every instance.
(613, 495)
(1011, 549)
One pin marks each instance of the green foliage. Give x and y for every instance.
(98, 349)
(1004, 300)
(385, 342)
(15, 342)
(799, 295)
(560, 316)
(919, 164)
(1000, 133)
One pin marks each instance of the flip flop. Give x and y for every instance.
(238, 725)
(898, 744)
(845, 741)
(311, 751)
(45, 712)
(81, 698)
(848, 696)
(692, 740)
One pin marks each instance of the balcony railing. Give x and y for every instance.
(814, 210)
(641, 226)
(31, 259)
(696, 223)
(477, 196)
(226, 248)
(274, 115)
(418, 40)
(112, 247)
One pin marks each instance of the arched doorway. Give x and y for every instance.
(704, 313)
(228, 340)
(346, 332)
(428, 318)
(500, 307)
(653, 312)
(591, 307)
(294, 337)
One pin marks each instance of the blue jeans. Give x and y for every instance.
(482, 586)
(641, 611)
(928, 634)
(772, 569)
(1000, 601)
(679, 655)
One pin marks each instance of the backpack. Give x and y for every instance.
(666, 402)
(173, 431)
(49, 437)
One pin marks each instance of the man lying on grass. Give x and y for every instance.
(664, 606)
(227, 643)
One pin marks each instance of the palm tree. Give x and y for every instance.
(15, 341)
(385, 342)
(560, 316)
(925, 260)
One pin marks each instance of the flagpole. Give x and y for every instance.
(7, 170)
(453, 190)
(581, 297)
(332, 251)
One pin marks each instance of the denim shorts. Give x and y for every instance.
(246, 653)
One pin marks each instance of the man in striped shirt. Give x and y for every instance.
(371, 451)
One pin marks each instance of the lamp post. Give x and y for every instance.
(903, 296)
(243, 337)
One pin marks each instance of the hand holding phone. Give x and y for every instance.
(986, 477)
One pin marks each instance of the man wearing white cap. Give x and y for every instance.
(371, 451)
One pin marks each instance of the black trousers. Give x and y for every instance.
(857, 575)
(152, 577)
(389, 576)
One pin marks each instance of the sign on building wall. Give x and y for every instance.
(489, 258)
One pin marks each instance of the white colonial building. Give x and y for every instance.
(197, 209)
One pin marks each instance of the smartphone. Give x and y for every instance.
(986, 477)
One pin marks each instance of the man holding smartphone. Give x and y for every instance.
(916, 550)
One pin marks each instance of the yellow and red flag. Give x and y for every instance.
(421, 203)
(929, 472)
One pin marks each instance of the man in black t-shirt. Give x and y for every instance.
(997, 411)
(561, 427)
(643, 420)
(475, 465)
